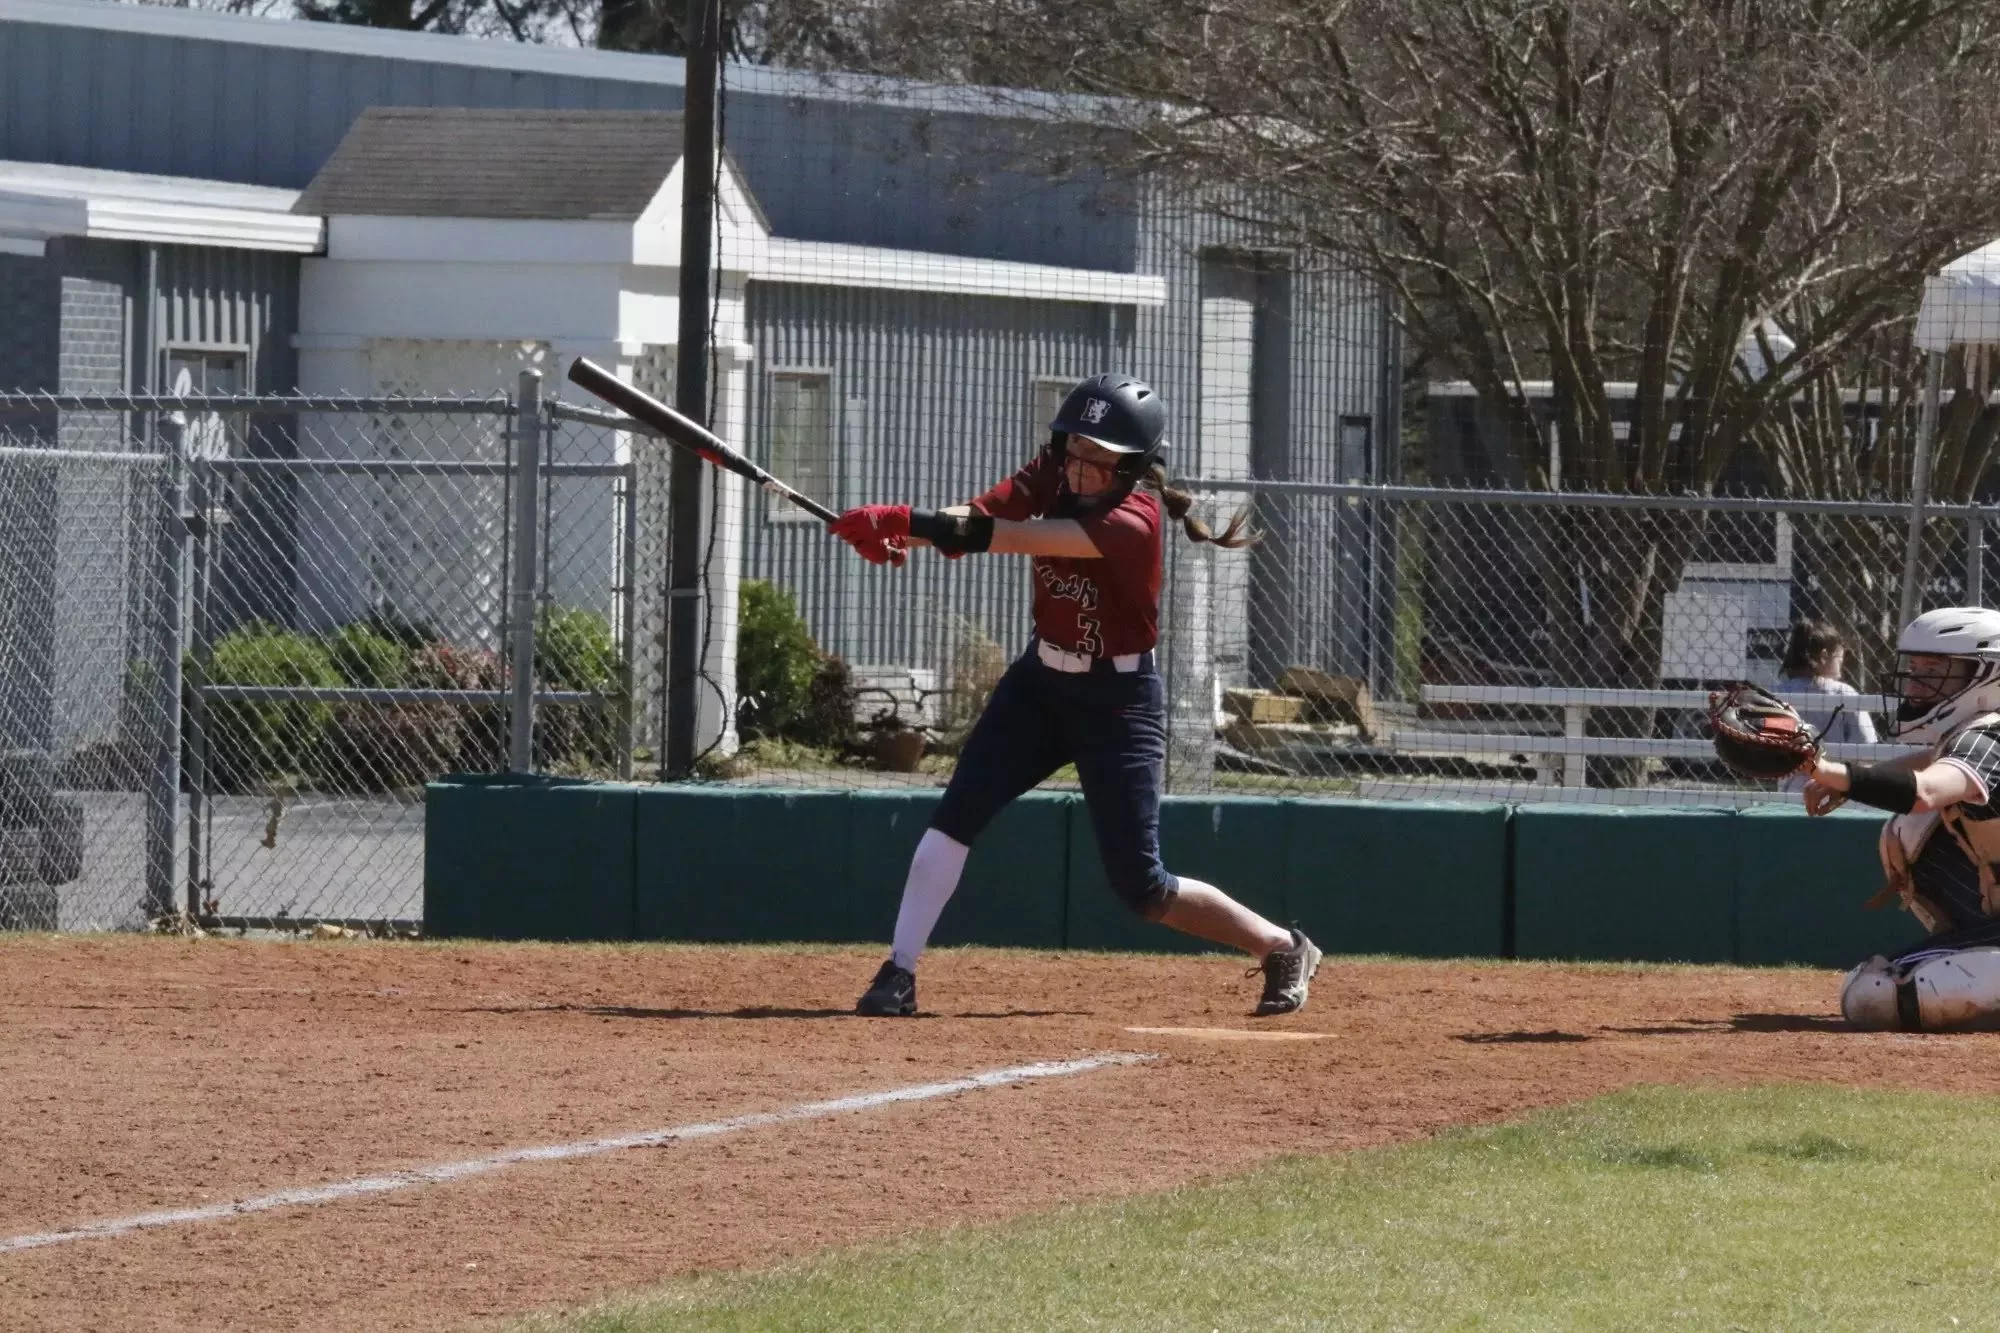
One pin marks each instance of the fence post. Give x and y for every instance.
(1975, 560)
(521, 597)
(628, 612)
(200, 505)
(163, 782)
(1920, 490)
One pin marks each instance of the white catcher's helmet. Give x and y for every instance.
(1933, 705)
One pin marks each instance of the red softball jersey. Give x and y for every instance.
(1106, 607)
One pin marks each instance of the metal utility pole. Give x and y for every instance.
(687, 479)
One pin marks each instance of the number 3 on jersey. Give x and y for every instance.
(1088, 640)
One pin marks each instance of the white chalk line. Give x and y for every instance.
(556, 1152)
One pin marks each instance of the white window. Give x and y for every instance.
(1050, 390)
(200, 371)
(802, 440)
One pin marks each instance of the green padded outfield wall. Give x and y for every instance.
(727, 864)
(1239, 844)
(720, 864)
(1609, 882)
(521, 857)
(1800, 886)
(1016, 885)
(508, 857)
(1423, 878)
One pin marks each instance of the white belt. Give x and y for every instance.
(1058, 660)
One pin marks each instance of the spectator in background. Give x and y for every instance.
(1813, 662)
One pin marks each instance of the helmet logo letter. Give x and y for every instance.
(1094, 410)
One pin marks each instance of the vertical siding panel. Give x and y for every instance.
(33, 58)
(232, 298)
(360, 83)
(325, 111)
(278, 106)
(72, 75)
(450, 86)
(236, 101)
(945, 384)
(10, 91)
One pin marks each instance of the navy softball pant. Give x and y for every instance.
(1112, 725)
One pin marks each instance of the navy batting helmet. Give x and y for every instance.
(1120, 413)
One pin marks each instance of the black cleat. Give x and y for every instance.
(893, 993)
(1288, 973)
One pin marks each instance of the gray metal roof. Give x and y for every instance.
(343, 39)
(474, 162)
(176, 21)
(183, 92)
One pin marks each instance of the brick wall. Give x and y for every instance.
(90, 347)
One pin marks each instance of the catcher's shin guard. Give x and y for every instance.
(1868, 997)
(1936, 992)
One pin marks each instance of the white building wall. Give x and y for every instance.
(378, 318)
(430, 548)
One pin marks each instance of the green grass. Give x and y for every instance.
(1778, 1208)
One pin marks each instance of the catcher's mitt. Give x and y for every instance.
(1760, 735)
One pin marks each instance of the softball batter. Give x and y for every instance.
(1087, 508)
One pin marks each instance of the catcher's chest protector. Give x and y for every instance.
(1901, 842)
(1980, 838)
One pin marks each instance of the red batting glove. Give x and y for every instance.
(872, 523)
(883, 551)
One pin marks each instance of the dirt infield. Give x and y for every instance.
(146, 1074)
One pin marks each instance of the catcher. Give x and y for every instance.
(1941, 848)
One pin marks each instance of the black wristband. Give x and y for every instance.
(1885, 788)
(956, 534)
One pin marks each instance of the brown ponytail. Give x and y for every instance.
(1178, 504)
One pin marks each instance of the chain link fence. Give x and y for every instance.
(1413, 642)
(1403, 642)
(239, 635)
(1428, 643)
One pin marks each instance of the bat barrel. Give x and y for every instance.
(682, 430)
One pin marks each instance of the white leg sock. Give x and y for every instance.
(934, 873)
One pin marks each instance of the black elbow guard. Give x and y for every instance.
(1885, 788)
(954, 534)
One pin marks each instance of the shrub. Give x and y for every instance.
(372, 747)
(776, 659)
(413, 635)
(827, 720)
(482, 728)
(575, 650)
(446, 666)
(366, 658)
(975, 664)
(254, 742)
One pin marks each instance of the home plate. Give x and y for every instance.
(1231, 1034)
